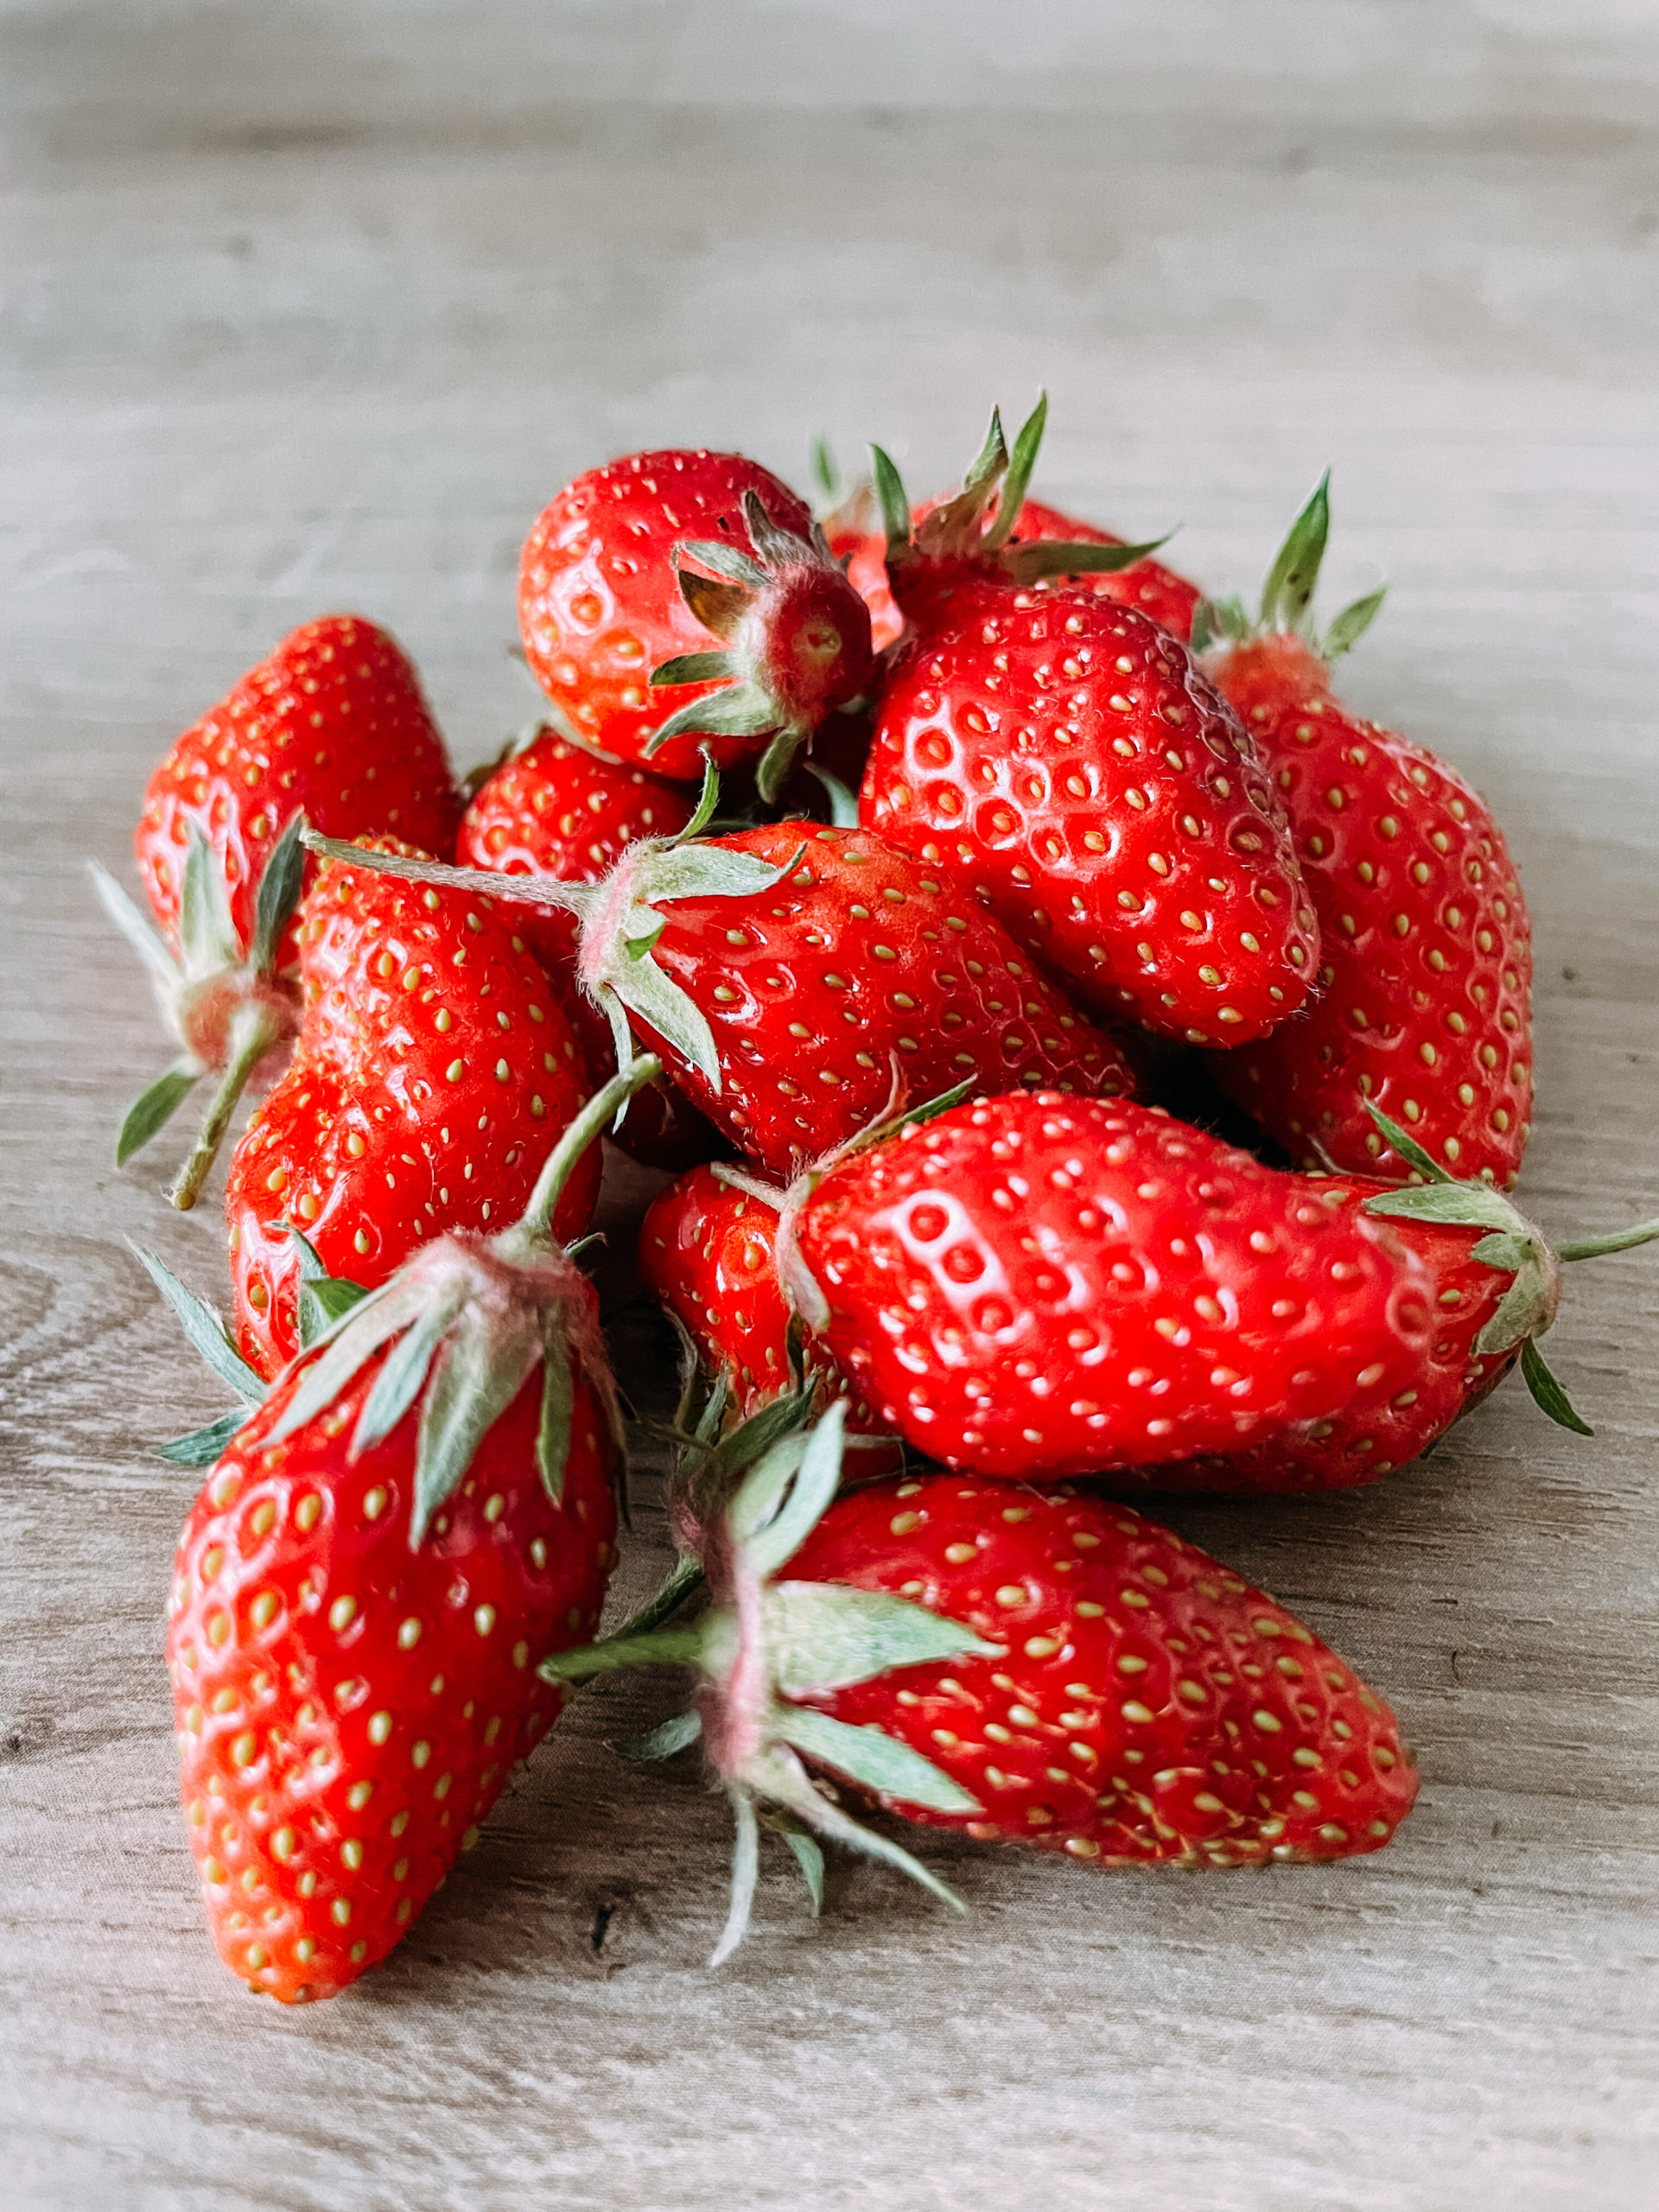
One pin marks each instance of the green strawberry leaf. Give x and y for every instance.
(204, 1329)
(826, 474)
(891, 498)
(321, 1304)
(1407, 1145)
(808, 1855)
(663, 1741)
(821, 1636)
(278, 895)
(695, 668)
(208, 937)
(1294, 575)
(726, 560)
(815, 1480)
(741, 710)
(151, 948)
(155, 1107)
(474, 1378)
(1017, 481)
(745, 1867)
(708, 800)
(877, 1762)
(558, 1403)
(203, 1447)
(399, 1383)
(1548, 1393)
(1045, 557)
(719, 608)
(1350, 626)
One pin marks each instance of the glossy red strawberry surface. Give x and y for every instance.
(350, 1708)
(1063, 756)
(558, 810)
(1032, 1286)
(333, 723)
(1426, 1005)
(706, 1251)
(433, 1072)
(862, 958)
(1148, 1705)
(600, 604)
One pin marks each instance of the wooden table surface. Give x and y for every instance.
(312, 307)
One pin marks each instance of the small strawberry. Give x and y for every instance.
(633, 567)
(1496, 1287)
(782, 975)
(1064, 755)
(333, 725)
(1426, 1009)
(705, 1250)
(432, 1066)
(420, 1509)
(1048, 1670)
(555, 809)
(232, 1014)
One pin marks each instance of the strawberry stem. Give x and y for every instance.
(536, 1219)
(254, 1031)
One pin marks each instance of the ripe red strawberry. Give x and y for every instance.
(1427, 1004)
(433, 1066)
(705, 1250)
(332, 725)
(415, 1515)
(633, 567)
(555, 809)
(1063, 756)
(784, 970)
(1050, 1671)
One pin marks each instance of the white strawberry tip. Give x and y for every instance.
(619, 921)
(1288, 590)
(795, 641)
(766, 1641)
(226, 1004)
(1513, 1246)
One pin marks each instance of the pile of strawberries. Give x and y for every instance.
(1089, 1061)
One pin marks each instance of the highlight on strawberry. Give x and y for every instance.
(422, 1506)
(1050, 1671)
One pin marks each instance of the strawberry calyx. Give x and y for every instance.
(1288, 589)
(1512, 1245)
(766, 1642)
(464, 1325)
(619, 921)
(974, 531)
(794, 640)
(226, 1005)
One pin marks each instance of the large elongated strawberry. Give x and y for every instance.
(1047, 1670)
(555, 809)
(1064, 755)
(432, 1068)
(332, 725)
(784, 972)
(678, 600)
(419, 1512)
(1426, 1009)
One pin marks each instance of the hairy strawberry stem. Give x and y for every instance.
(254, 1031)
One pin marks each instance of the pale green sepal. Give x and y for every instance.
(719, 608)
(151, 948)
(760, 1495)
(1407, 1145)
(826, 473)
(663, 1741)
(1507, 1250)
(1620, 1240)
(1547, 1392)
(779, 1774)
(772, 770)
(152, 1109)
(741, 710)
(808, 1857)
(312, 1266)
(474, 1379)
(890, 497)
(728, 561)
(778, 548)
(658, 1001)
(558, 1402)
(877, 1762)
(374, 1320)
(278, 895)
(1216, 619)
(204, 1447)
(1017, 482)
(843, 804)
(661, 1646)
(1045, 557)
(693, 668)
(710, 872)
(1350, 626)
(821, 1636)
(399, 1383)
(745, 1867)
(1525, 1311)
(638, 947)
(814, 1485)
(1460, 1206)
(708, 800)
(988, 464)
(207, 936)
(763, 1432)
(322, 1303)
(205, 1330)
(1290, 581)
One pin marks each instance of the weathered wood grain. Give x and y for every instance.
(307, 308)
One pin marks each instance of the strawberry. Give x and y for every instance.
(432, 1065)
(705, 1250)
(632, 569)
(783, 976)
(233, 1014)
(1051, 1670)
(333, 725)
(1064, 755)
(1496, 1290)
(1427, 1004)
(555, 809)
(420, 1509)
